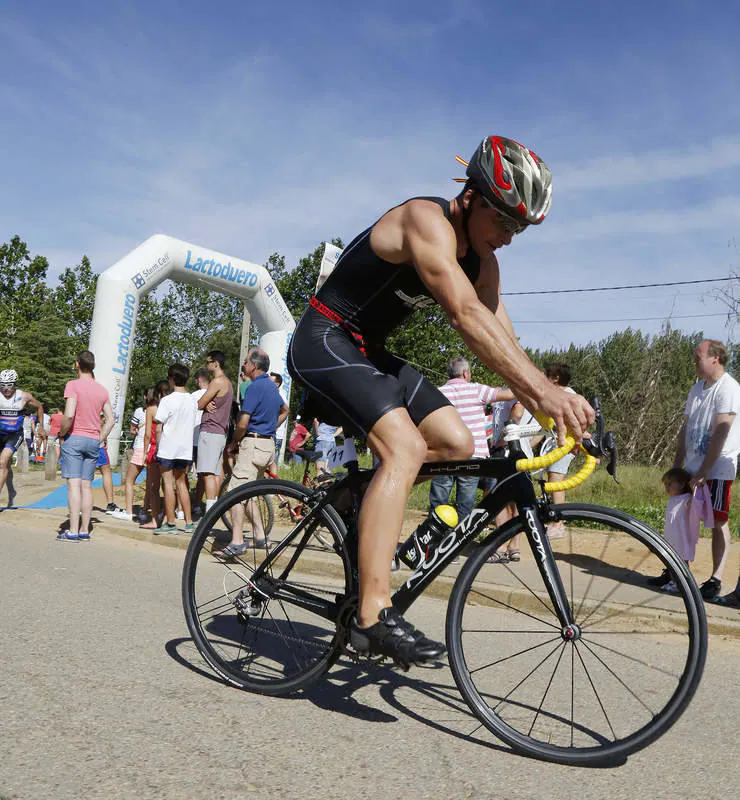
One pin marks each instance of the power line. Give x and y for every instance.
(617, 288)
(625, 319)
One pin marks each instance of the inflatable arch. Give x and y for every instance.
(121, 287)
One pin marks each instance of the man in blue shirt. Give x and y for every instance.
(262, 411)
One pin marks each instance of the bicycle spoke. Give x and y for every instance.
(518, 610)
(632, 659)
(596, 694)
(547, 689)
(514, 655)
(528, 675)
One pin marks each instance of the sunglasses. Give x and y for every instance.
(509, 224)
(6, 385)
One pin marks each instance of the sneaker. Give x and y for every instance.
(190, 528)
(710, 589)
(660, 580)
(393, 636)
(66, 536)
(110, 508)
(165, 528)
(119, 513)
(179, 514)
(671, 587)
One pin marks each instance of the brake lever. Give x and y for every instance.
(611, 449)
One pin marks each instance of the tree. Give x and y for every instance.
(74, 299)
(23, 293)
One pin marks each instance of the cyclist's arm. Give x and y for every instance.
(432, 244)
(488, 289)
(30, 400)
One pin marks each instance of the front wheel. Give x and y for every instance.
(608, 686)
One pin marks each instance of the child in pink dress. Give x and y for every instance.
(685, 512)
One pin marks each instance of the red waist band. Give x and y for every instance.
(315, 303)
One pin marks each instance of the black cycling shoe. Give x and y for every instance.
(393, 636)
(710, 589)
(660, 580)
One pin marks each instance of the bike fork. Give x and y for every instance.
(545, 559)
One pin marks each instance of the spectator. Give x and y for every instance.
(277, 379)
(41, 435)
(176, 413)
(510, 410)
(12, 403)
(559, 375)
(685, 511)
(216, 405)
(202, 379)
(263, 410)
(151, 442)
(325, 436)
(103, 464)
(137, 428)
(55, 423)
(708, 446)
(470, 400)
(297, 438)
(29, 434)
(85, 401)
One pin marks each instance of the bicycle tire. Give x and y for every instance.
(267, 510)
(283, 646)
(500, 620)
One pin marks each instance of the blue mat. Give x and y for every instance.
(58, 497)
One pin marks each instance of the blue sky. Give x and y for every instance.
(253, 128)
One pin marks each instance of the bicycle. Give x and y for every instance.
(569, 657)
(266, 505)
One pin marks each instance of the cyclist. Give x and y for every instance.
(423, 251)
(12, 403)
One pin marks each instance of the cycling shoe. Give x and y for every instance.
(393, 636)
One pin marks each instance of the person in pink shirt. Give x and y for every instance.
(687, 508)
(84, 402)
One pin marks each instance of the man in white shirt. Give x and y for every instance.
(176, 412)
(709, 444)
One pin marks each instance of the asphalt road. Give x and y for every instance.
(104, 696)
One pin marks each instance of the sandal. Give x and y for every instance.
(263, 545)
(499, 558)
(231, 550)
(731, 600)
(514, 555)
(556, 531)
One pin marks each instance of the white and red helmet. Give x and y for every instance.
(511, 178)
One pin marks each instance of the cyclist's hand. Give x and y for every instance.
(572, 413)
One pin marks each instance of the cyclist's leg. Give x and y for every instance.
(5, 455)
(395, 440)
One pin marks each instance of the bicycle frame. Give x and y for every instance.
(511, 486)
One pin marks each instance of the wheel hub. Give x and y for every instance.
(571, 633)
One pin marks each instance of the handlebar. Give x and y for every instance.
(599, 445)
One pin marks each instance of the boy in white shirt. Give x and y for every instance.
(177, 413)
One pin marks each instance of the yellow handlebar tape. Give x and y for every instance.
(532, 464)
(577, 479)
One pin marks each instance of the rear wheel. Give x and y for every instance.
(607, 687)
(269, 630)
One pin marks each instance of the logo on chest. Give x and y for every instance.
(420, 301)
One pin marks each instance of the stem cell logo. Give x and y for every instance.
(215, 269)
(140, 278)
